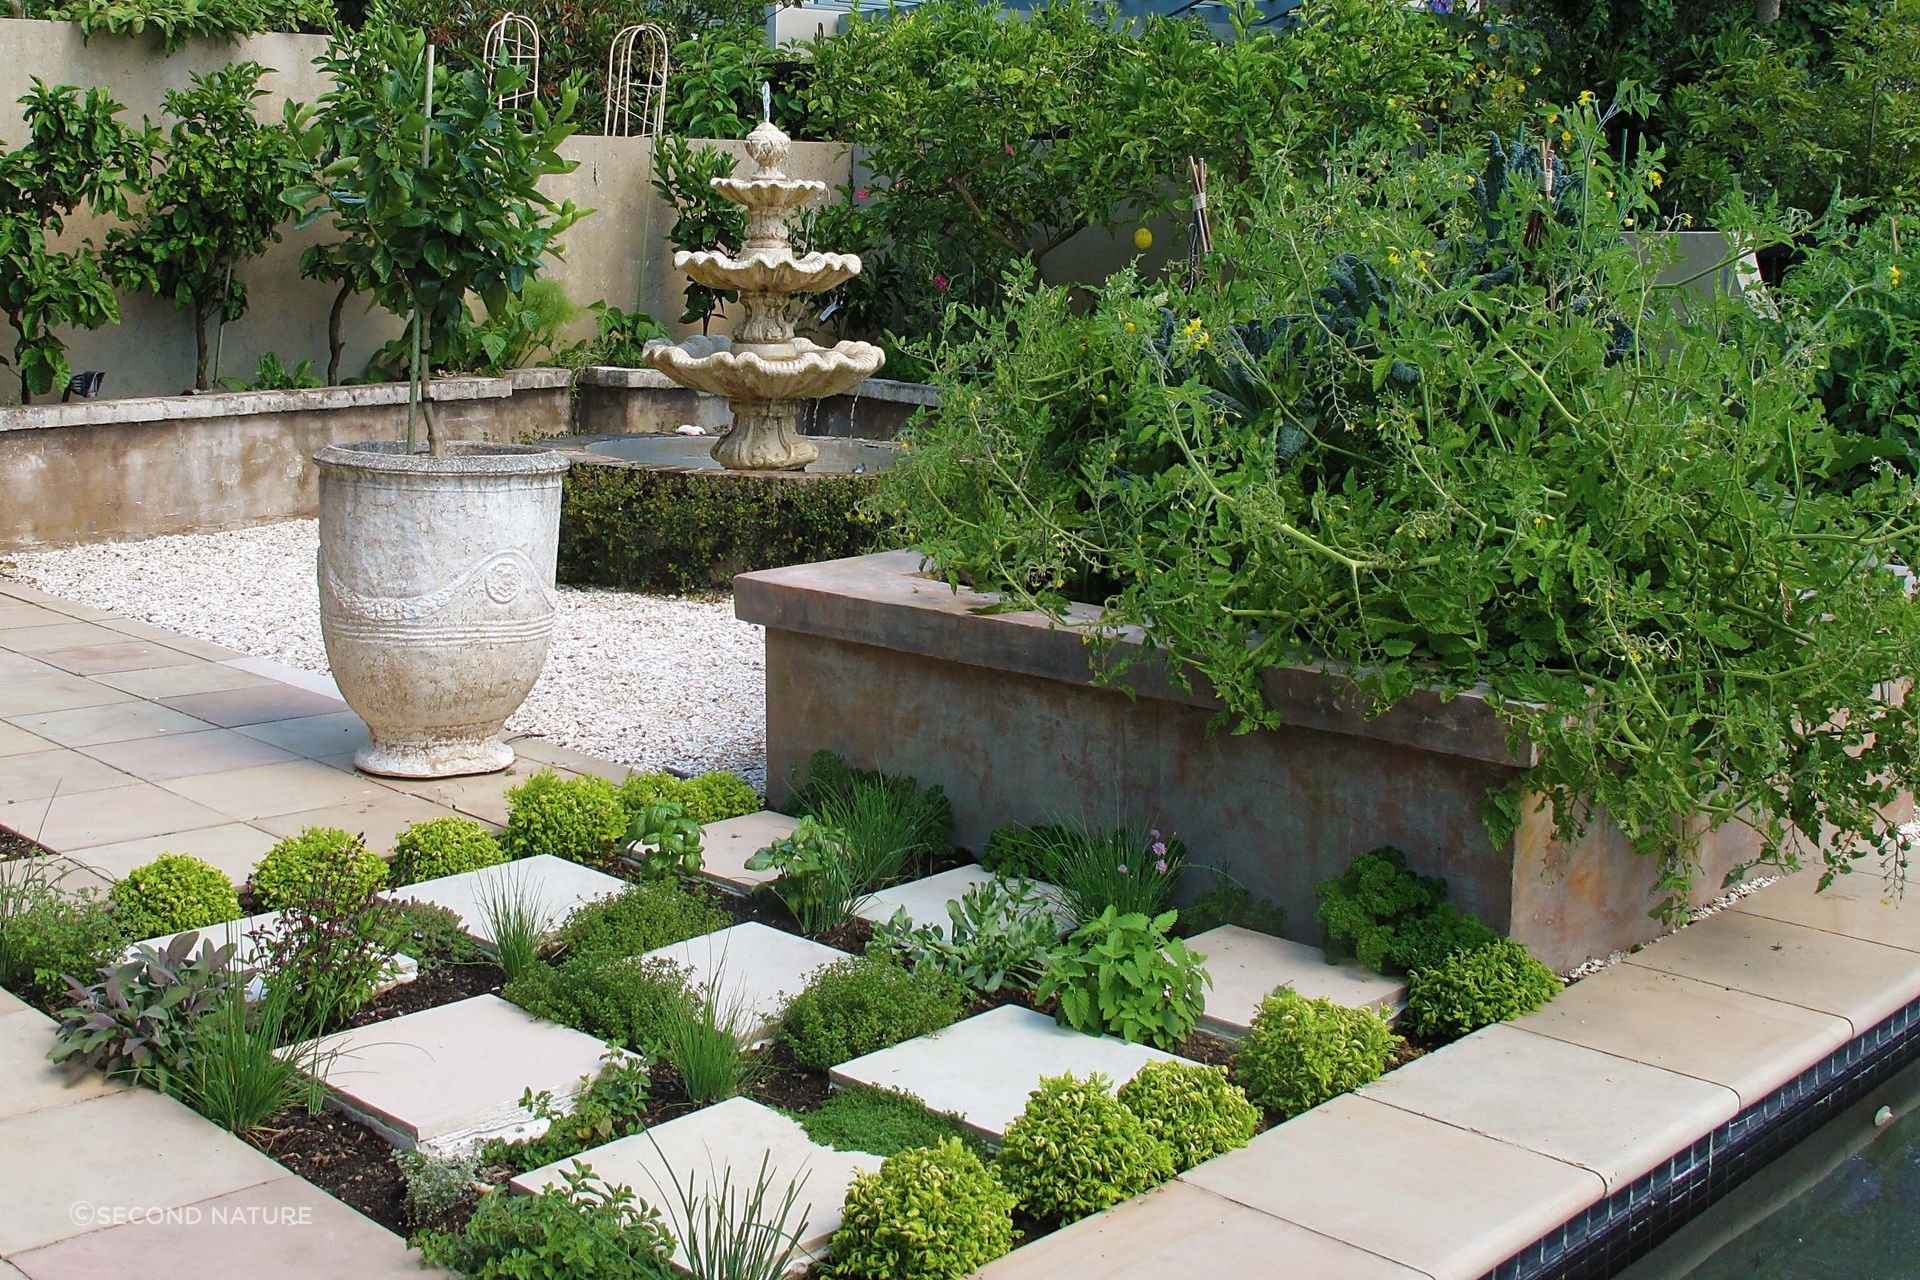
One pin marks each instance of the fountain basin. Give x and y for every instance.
(768, 273)
(811, 372)
(695, 453)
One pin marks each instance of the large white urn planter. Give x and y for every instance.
(436, 595)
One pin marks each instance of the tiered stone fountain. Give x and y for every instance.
(764, 370)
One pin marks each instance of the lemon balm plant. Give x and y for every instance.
(1439, 426)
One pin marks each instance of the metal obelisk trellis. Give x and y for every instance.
(515, 40)
(637, 69)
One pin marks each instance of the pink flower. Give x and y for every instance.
(1009, 148)
(1154, 834)
(939, 282)
(1161, 866)
(1122, 868)
(1159, 849)
(860, 195)
(949, 181)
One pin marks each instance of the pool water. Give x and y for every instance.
(1842, 1205)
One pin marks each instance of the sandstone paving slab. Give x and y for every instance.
(447, 1077)
(89, 726)
(125, 1151)
(925, 900)
(552, 886)
(68, 823)
(1612, 1115)
(1179, 1229)
(11, 1003)
(983, 1067)
(186, 755)
(286, 1229)
(379, 816)
(542, 751)
(196, 676)
(1430, 1196)
(244, 934)
(1248, 966)
(24, 693)
(726, 845)
(68, 633)
(319, 682)
(1862, 905)
(697, 1151)
(122, 654)
(18, 742)
(1862, 982)
(751, 970)
(15, 614)
(483, 796)
(36, 775)
(234, 847)
(1748, 1043)
(205, 650)
(28, 1082)
(256, 704)
(313, 736)
(268, 790)
(61, 870)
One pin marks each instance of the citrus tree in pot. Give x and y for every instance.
(436, 564)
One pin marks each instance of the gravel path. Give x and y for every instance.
(651, 681)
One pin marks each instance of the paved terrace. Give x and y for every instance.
(118, 740)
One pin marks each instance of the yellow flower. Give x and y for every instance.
(1586, 97)
(1394, 258)
(1893, 276)
(1132, 327)
(1565, 136)
(1653, 178)
(1553, 117)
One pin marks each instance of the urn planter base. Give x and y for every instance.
(449, 758)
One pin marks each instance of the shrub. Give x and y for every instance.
(138, 1018)
(934, 1213)
(717, 796)
(433, 935)
(1230, 902)
(999, 933)
(1075, 1150)
(443, 847)
(863, 1004)
(173, 892)
(819, 881)
(48, 933)
(580, 819)
(611, 1104)
(576, 1230)
(623, 1000)
(640, 529)
(1012, 850)
(294, 866)
(1192, 1108)
(1388, 917)
(1477, 988)
(176, 23)
(645, 916)
(1124, 976)
(435, 1185)
(883, 1122)
(664, 839)
(332, 947)
(1300, 1052)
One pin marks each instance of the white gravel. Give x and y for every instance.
(651, 681)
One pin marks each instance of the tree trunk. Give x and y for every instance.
(335, 343)
(200, 348)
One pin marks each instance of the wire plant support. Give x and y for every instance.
(514, 39)
(637, 67)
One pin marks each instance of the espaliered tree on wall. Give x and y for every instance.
(212, 203)
(429, 207)
(79, 156)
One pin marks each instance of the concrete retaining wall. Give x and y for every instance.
(895, 671)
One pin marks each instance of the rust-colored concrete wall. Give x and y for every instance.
(897, 672)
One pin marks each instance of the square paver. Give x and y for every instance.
(925, 900)
(35, 692)
(256, 704)
(1167, 1231)
(57, 869)
(120, 655)
(90, 726)
(482, 796)
(65, 634)
(732, 1138)
(554, 887)
(58, 771)
(546, 752)
(726, 845)
(378, 817)
(28, 1082)
(271, 789)
(1748, 1043)
(1427, 1195)
(447, 1077)
(982, 1069)
(1612, 1115)
(1862, 982)
(128, 1149)
(190, 645)
(320, 682)
(14, 615)
(313, 736)
(751, 970)
(1862, 905)
(287, 1229)
(233, 847)
(195, 676)
(71, 822)
(185, 755)
(18, 742)
(1247, 966)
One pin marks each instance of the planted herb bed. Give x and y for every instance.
(14, 845)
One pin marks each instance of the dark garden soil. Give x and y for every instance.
(14, 845)
(764, 908)
(347, 1161)
(446, 984)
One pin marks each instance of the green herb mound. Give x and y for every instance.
(1124, 975)
(1075, 1150)
(643, 917)
(1477, 988)
(443, 847)
(1300, 1052)
(577, 1230)
(1192, 1108)
(173, 892)
(1389, 918)
(932, 1213)
(624, 1000)
(882, 1122)
(864, 1004)
(293, 868)
(710, 797)
(580, 819)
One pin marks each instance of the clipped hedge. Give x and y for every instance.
(639, 529)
